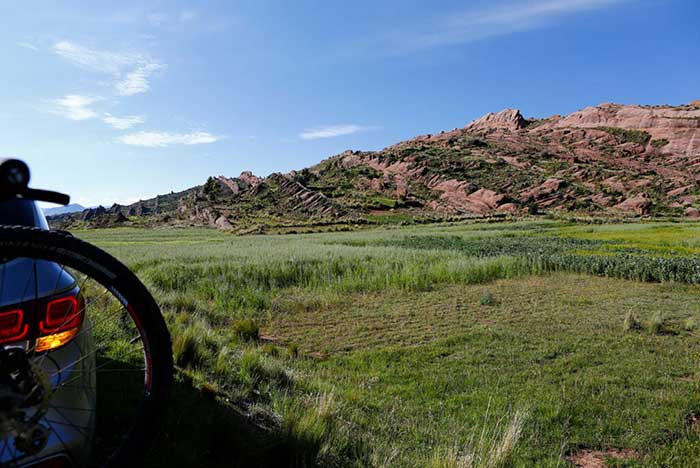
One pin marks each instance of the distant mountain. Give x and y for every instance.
(72, 208)
(611, 159)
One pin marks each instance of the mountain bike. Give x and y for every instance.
(85, 355)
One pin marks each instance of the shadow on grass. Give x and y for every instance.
(201, 430)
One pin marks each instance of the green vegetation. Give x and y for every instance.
(659, 143)
(507, 344)
(624, 135)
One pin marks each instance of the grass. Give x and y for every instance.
(508, 344)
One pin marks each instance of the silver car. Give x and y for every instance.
(41, 312)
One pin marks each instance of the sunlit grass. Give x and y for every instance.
(402, 346)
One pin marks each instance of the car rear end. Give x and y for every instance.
(42, 310)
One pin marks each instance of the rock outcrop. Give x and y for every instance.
(612, 159)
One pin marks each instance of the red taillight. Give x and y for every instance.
(12, 326)
(57, 323)
(65, 313)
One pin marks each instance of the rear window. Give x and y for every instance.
(18, 212)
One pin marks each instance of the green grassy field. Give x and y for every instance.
(514, 344)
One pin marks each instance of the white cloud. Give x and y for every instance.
(163, 139)
(75, 107)
(29, 46)
(478, 24)
(136, 81)
(122, 123)
(131, 70)
(96, 60)
(332, 131)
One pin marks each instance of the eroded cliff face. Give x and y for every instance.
(679, 125)
(606, 159)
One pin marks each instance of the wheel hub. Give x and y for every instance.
(24, 398)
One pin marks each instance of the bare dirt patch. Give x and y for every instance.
(597, 458)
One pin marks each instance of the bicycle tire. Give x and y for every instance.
(63, 248)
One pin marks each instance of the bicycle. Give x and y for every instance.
(85, 355)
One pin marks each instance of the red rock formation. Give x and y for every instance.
(638, 204)
(508, 119)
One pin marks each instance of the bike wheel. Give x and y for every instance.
(85, 355)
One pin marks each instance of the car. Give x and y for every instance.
(42, 323)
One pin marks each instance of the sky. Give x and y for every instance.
(119, 101)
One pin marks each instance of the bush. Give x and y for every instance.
(623, 135)
(661, 142)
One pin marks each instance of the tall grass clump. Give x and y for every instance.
(258, 370)
(631, 322)
(313, 433)
(492, 448)
(657, 323)
(194, 345)
(246, 329)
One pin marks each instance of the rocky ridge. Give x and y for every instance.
(603, 160)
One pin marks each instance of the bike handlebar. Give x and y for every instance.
(14, 183)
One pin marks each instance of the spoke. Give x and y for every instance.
(4, 447)
(60, 439)
(13, 451)
(77, 361)
(97, 370)
(68, 422)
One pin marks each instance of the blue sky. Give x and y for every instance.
(114, 101)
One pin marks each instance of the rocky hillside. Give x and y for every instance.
(605, 160)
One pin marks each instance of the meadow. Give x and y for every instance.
(453, 345)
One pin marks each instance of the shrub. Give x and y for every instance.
(661, 142)
(690, 324)
(623, 135)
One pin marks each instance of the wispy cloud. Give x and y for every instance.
(123, 123)
(136, 81)
(333, 131)
(131, 70)
(28, 45)
(478, 24)
(75, 107)
(163, 139)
